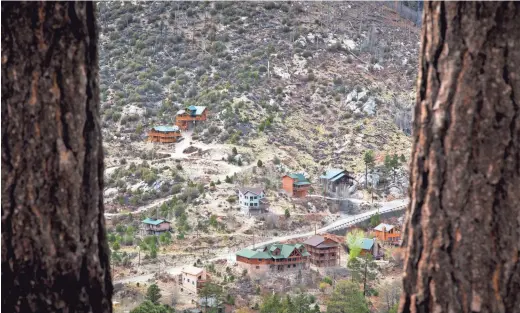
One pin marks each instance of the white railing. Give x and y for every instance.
(363, 218)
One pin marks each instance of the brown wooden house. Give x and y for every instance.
(387, 233)
(296, 185)
(324, 251)
(191, 114)
(164, 134)
(273, 258)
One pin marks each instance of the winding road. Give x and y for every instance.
(385, 207)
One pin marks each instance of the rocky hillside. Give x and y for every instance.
(313, 84)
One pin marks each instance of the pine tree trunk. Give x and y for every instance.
(54, 252)
(462, 233)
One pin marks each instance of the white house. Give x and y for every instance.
(193, 279)
(252, 200)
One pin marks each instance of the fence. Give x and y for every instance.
(405, 12)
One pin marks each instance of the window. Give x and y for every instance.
(188, 280)
(256, 204)
(289, 266)
(257, 267)
(193, 283)
(294, 265)
(250, 204)
(256, 197)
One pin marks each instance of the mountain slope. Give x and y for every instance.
(313, 84)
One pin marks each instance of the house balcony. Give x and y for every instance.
(301, 188)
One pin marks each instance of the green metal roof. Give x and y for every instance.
(152, 221)
(285, 251)
(337, 177)
(299, 178)
(198, 109)
(365, 243)
(166, 128)
(331, 173)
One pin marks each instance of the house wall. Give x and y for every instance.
(247, 201)
(189, 282)
(302, 193)
(391, 235)
(287, 184)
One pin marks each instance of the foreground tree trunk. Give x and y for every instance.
(54, 251)
(463, 224)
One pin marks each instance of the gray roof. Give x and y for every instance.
(314, 240)
(254, 190)
(384, 227)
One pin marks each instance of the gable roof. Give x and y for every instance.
(254, 190)
(166, 128)
(300, 179)
(365, 243)
(331, 173)
(285, 251)
(384, 227)
(314, 240)
(198, 109)
(153, 221)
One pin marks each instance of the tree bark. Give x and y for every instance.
(462, 230)
(54, 252)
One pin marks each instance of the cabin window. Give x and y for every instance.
(193, 283)
(256, 204)
(294, 265)
(257, 267)
(188, 280)
(250, 204)
(256, 197)
(289, 266)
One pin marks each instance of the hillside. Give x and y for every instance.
(307, 85)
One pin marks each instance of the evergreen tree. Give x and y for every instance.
(149, 307)
(347, 298)
(287, 213)
(153, 294)
(259, 163)
(363, 270)
(369, 160)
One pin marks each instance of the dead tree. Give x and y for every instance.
(462, 226)
(55, 256)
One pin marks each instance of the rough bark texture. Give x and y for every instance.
(462, 234)
(54, 252)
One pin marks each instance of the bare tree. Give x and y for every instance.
(462, 225)
(55, 257)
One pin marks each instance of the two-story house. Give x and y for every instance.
(152, 226)
(192, 279)
(296, 185)
(387, 233)
(252, 200)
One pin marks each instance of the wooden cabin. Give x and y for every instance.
(296, 185)
(164, 134)
(387, 233)
(273, 258)
(324, 251)
(332, 179)
(191, 114)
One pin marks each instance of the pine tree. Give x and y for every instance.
(153, 294)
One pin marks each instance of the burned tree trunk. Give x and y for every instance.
(462, 233)
(54, 252)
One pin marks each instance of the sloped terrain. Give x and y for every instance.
(314, 84)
